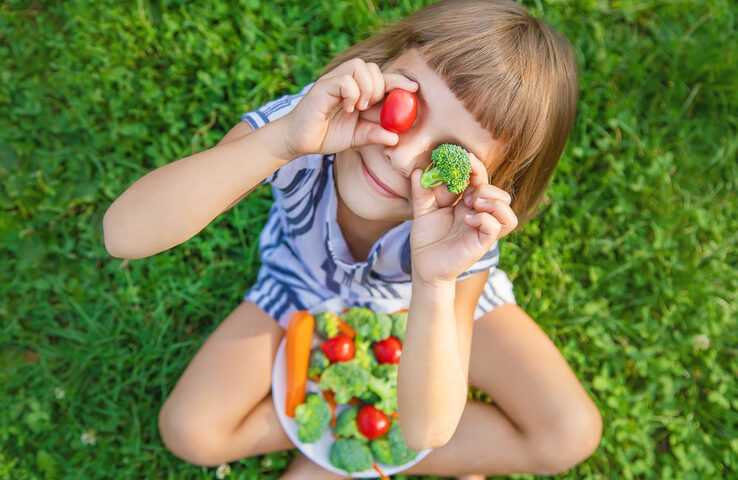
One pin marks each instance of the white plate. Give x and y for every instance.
(318, 451)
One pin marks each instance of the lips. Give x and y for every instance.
(381, 188)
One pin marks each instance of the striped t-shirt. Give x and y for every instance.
(305, 260)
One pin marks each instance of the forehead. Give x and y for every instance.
(441, 111)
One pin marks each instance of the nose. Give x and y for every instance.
(411, 151)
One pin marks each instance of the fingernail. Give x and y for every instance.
(468, 200)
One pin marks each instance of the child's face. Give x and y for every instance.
(374, 180)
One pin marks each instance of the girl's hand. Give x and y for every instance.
(447, 238)
(328, 120)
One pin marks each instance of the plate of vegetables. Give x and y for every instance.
(334, 387)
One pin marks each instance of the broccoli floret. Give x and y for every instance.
(345, 379)
(450, 165)
(363, 354)
(386, 370)
(381, 451)
(346, 425)
(318, 363)
(368, 325)
(401, 453)
(386, 392)
(313, 418)
(327, 324)
(350, 455)
(399, 325)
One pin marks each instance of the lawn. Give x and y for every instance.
(630, 267)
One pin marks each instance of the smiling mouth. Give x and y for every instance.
(376, 184)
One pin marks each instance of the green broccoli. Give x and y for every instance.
(313, 418)
(345, 379)
(386, 392)
(368, 325)
(399, 325)
(401, 453)
(326, 324)
(346, 424)
(381, 451)
(450, 165)
(364, 355)
(318, 363)
(350, 455)
(386, 370)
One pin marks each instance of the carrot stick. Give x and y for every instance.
(404, 310)
(346, 329)
(331, 399)
(355, 401)
(381, 475)
(297, 353)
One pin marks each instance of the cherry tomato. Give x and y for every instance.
(338, 349)
(372, 422)
(388, 350)
(399, 110)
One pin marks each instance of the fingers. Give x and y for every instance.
(488, 228)
(395, 80)
(371, 84)
(488, 202)
(423, 199)
(367, 132)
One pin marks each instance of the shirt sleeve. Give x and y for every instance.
(273, 110)
(296, 171)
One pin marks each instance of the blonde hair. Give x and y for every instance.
(514, 73)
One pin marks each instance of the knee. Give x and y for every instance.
(571, 441)
(187, 438)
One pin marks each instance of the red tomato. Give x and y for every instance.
(399, 110)
(388, 350)
(372, 422)
(338, 349)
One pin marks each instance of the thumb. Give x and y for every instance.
(367, 132)
(423, 200)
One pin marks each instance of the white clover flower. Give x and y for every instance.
(701, 342)
(223, 471)
(89, 437)
(59, 393)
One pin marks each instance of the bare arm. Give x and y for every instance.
(434, 367)
(173, 203)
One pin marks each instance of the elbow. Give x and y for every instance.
(419, 443)
(113, 238)
(424, 432)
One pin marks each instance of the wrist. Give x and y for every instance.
(277, 139)
(433, 292)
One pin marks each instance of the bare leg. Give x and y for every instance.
(543, 421)
(220, 410)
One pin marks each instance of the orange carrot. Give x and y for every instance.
(394, 415)
(346, 329)
(331, 399)
(297, 353)
(404, 310)
(381, 475)
(355, 401)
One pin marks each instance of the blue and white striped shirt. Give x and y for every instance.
(305, 260)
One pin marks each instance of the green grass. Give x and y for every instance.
(633, 254)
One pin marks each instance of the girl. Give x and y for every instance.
(350, 220)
